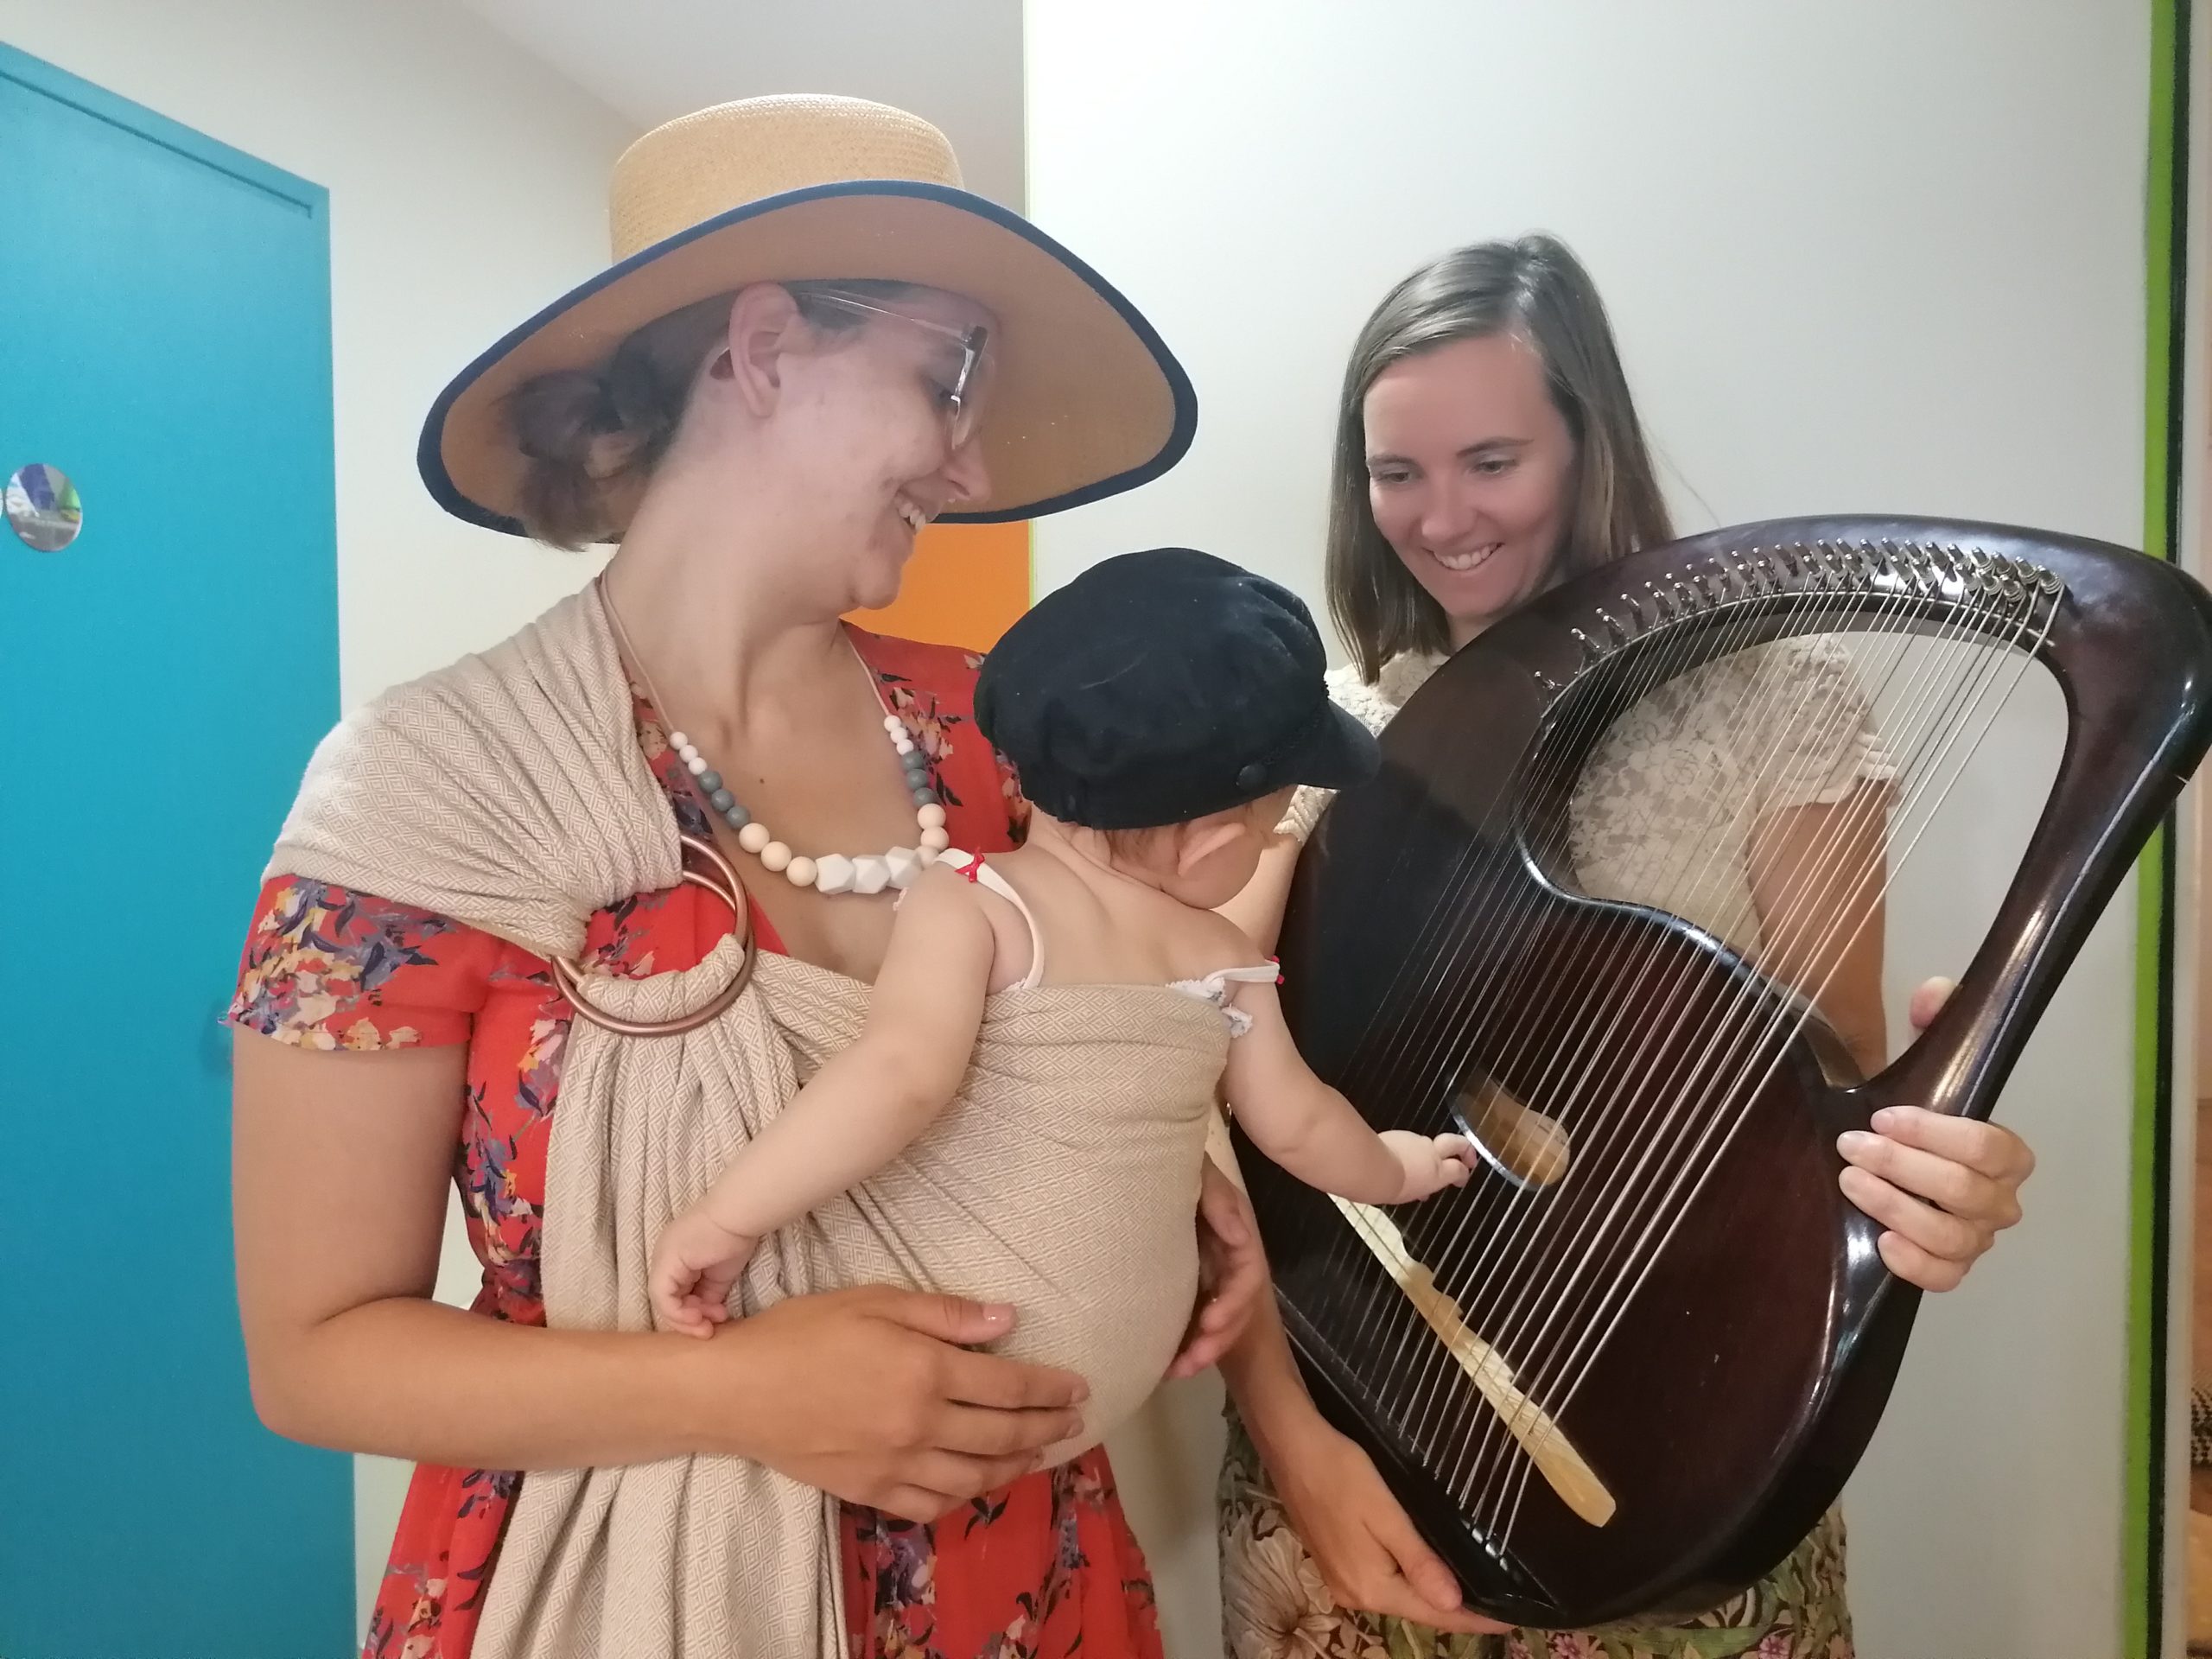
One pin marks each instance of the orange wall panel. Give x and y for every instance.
(964, 587)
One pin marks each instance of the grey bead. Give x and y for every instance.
(917, 765)
(721, 799)
(710, 782)
(925, 797)
(737, 817)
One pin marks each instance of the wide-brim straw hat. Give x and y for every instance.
(1086, 401)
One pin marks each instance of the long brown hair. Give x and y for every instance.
(590, 438)
(1535, 289)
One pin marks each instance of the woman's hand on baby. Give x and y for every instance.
(1233, 1274)
(695, 1265)
(882, 1397)
(1431, 1162)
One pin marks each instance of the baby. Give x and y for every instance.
(1160, 710)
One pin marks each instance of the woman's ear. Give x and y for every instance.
(764, 326)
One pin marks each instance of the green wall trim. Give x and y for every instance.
(2150, 1242)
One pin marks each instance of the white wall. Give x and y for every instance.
(467, 186)
(957, 63)
(1882, 257)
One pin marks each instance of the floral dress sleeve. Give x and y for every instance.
(327, 967)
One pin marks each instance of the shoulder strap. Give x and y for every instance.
(1264, 973)
(972, 865)
(1214, 989)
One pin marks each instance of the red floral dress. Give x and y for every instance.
(1043, 1569)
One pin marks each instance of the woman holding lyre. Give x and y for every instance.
(1487, 447)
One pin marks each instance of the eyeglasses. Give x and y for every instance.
(959, 401)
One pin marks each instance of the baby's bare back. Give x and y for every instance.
(1103, 928)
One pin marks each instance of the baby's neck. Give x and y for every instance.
(1089, 856)
(1107, 919)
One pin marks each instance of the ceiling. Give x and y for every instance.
(954, 62)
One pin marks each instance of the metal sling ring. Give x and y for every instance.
(569, 978)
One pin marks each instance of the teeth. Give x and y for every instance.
(1462, 563)
(913, 515)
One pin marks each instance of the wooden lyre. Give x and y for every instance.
(1626, 1368)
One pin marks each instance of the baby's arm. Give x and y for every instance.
(865, 1106)
(1314, 1132)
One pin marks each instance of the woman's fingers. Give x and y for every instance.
(1959, 1188)
(972, 1431)
(1928, 999)
(1940, 1234)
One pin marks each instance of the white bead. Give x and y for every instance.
(925, 856)
(893, 723)
(833, 873)
(936, 841)
(755, 836)
(678, 741)
(696, 762)
(870, 875)
(775, 857)
(930, 816)
(902, 745)
(904, 864)
(800, 872)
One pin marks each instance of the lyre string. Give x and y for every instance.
(1565, 1087)
(1517, 1002)
(1706, 847)
(1656, 665)
(1562, 1097)
(1801, 625)
(1698, 1174)
(1780, 1013)
(1662, 661)
(1665, 661)
(1431, 958)
(1650, 1141)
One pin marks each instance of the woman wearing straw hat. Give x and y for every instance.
(511, 887)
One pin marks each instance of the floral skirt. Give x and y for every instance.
(1046, 1568)
(1275, 1605)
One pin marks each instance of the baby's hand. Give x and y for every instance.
(1431, 1161)
(695, 1264)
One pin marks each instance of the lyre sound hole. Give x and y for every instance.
(1519, 1143)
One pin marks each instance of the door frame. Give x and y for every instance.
(2162, 1124)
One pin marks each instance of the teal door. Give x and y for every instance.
(164, 348)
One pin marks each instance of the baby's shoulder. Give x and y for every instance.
(1205, 941)
(950, 918)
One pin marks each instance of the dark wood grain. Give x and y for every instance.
(1433, 940)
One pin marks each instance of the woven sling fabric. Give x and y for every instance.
(508, 792)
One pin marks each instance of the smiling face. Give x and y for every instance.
(1487, 447)
(1471, 475)
(870, 443)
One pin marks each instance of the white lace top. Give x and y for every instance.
(1667, 800)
